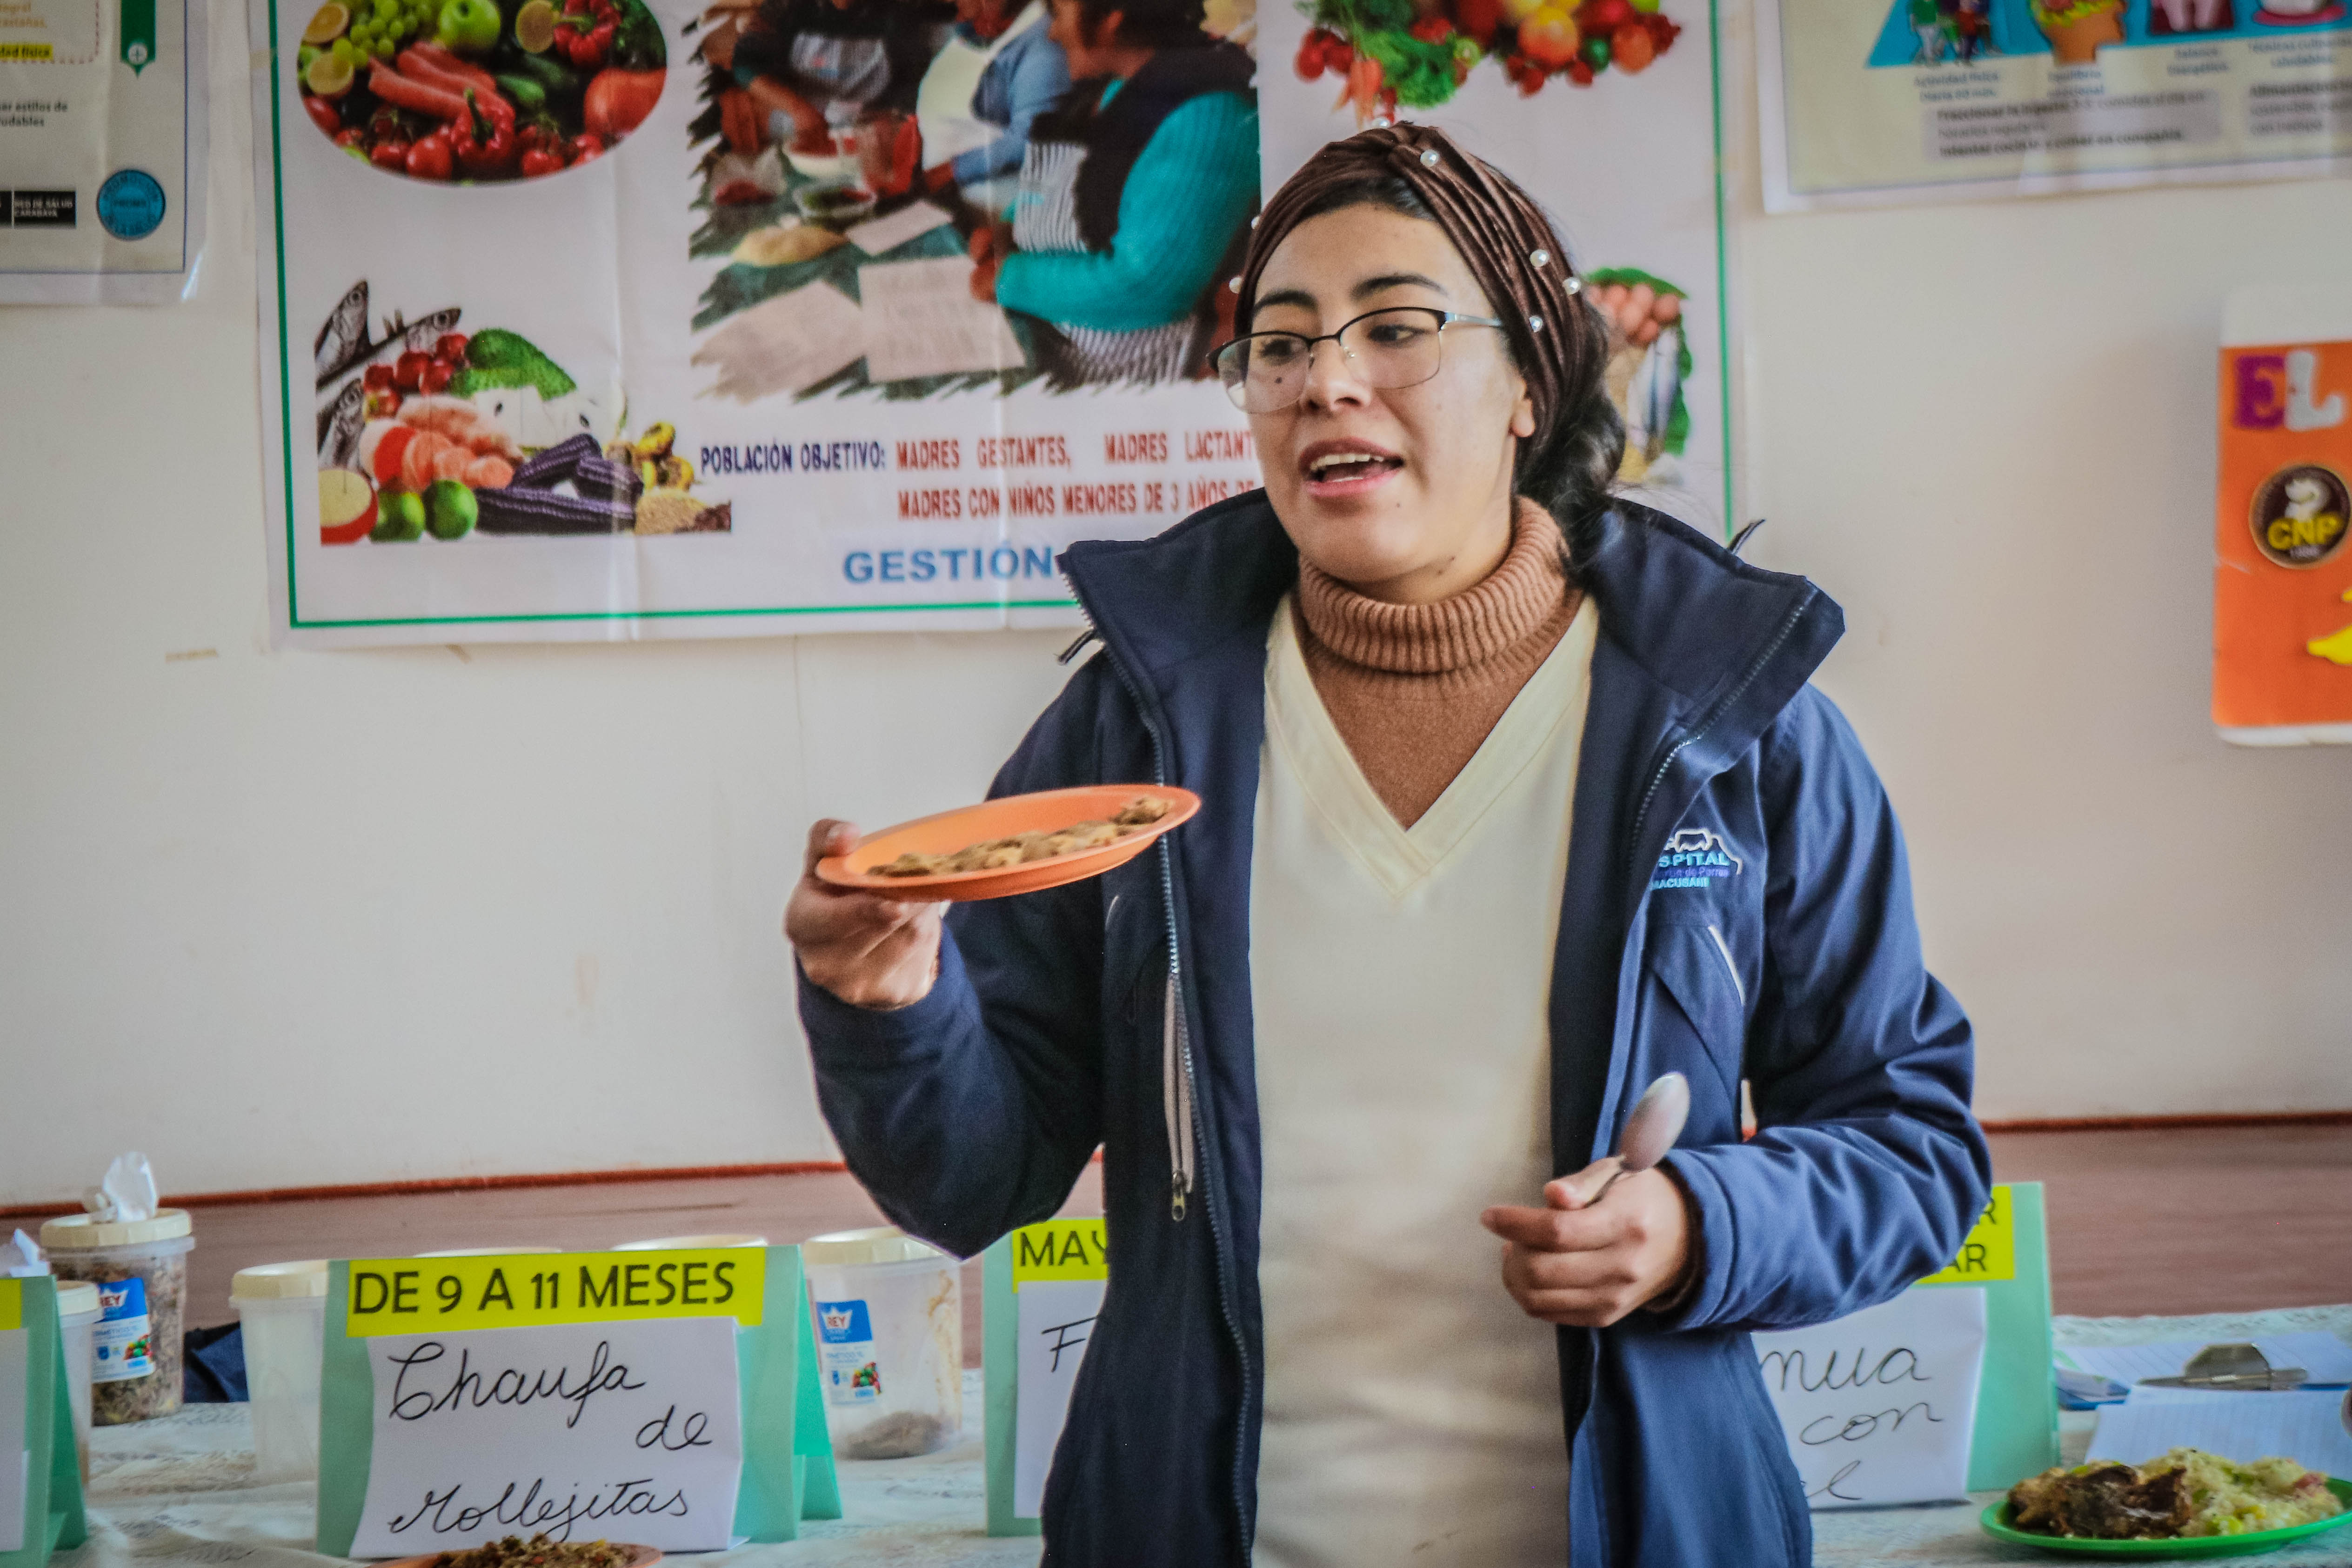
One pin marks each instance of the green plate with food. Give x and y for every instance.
(2185, 1504)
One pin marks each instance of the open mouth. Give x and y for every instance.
(1346, 467)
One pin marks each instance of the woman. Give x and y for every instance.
(809, 63)
(1134, 194)
(1491, 838)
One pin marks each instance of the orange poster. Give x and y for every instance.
(2283, 562)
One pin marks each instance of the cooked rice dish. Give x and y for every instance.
(2185, 1492)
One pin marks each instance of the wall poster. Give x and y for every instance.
(1911, 100)
(659, 317)
(102, 107)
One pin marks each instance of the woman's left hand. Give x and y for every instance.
(1587, 1266)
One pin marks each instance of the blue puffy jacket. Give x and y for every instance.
(1737, 906)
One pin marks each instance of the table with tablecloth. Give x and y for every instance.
(180, 1493)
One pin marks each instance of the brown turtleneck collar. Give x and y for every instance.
(1414, 689)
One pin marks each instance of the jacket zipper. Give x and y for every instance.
(1180, 1096)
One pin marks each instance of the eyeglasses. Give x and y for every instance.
(1266, 372)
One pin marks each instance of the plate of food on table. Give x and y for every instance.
(2183, 1504)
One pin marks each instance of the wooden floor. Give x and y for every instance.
(2175, 1221)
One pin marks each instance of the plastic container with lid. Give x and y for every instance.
(283, 1309)
(77, 1314)
(691, 1243)
(890, 1332)
(140, 1269)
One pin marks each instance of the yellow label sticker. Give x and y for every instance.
(12, 1304)
(1060, 1249)
(1991, 1251)
(531, 1290)
(27, 51)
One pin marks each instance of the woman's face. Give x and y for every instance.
(1066, 25)
(1428, 514)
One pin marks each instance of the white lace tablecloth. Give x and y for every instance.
(179, 1493)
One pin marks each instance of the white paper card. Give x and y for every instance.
(888, 232)
(2307, 1427)
(2323, 1357)
(921, 320)
(787, 344)
(630, 1431)
(1056, 1317)
(1879, 1406)
(15, 1459)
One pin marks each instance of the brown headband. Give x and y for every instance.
(1506, 239)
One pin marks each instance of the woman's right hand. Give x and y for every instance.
(870, 951)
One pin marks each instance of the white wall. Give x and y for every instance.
(293, 919)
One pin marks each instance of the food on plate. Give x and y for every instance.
(451, 90)
(538, 1551)
(346, 506)
(993, 855)
(2184, 1493)
(785, 244)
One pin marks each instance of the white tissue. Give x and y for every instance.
(21, 1257)
(127, 1193)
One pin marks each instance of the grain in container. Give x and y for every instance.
(140, 1269)
(283, 1309)
(77, 1314)
(890, 1332)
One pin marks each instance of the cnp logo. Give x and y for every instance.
(2280, 391)
(2299, 515)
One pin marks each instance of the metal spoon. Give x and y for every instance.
(1651, 1129)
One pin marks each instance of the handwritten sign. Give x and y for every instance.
(448, 1295)
(1880, 1405)
(1044, 1291)
(639, 1397)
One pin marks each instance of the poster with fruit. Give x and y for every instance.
(1911, 100)
(1605, 109)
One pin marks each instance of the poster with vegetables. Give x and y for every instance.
(1605, 110)
(621, 318)
(1911, 100)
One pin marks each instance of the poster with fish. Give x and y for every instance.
(630, 319)
(2283, 508)
(1914, 100)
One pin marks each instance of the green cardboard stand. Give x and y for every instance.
(1000, 1375)
(788, 1471)
(2017, 1395)
(53, 1504)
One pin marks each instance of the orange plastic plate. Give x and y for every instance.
(1048, 810)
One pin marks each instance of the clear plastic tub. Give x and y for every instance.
(140, 1268)
(283, 1308)
(78, 1313)
(890, 1330)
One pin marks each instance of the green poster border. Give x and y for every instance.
(286, 411)
(54, 1519)
(1000, 1355)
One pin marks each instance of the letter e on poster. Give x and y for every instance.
(1879, 1406)
(627, 1431)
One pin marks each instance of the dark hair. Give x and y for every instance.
(1150, 23)
(1569, 467)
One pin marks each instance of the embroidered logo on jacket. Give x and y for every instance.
(1694, 857)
